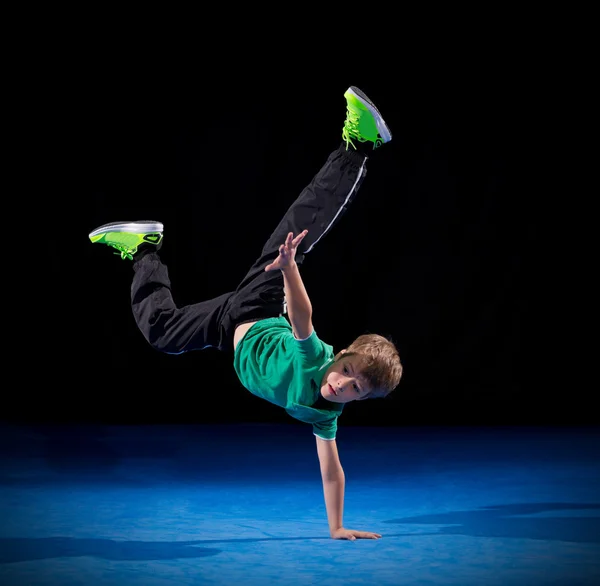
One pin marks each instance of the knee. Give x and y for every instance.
(160, 331)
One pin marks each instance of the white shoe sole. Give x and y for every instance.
(140, 227)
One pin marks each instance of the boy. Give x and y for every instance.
(278, 358)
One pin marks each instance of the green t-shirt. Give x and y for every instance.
(272, 364)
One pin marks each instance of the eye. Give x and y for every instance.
(345, 370)
(356, 388)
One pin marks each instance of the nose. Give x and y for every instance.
(345, 383)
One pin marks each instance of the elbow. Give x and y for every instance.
(333, 475)
(304, 314)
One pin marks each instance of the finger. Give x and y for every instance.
(299, 238)
(301, 235)
(289, 239)
(367, 535)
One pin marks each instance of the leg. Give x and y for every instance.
(320, 205)
(165, 326)
(318, 208)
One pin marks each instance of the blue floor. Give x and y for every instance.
(242, 504)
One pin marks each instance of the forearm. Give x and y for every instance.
(298, 303)
(333, 490)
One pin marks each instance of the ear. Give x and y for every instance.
(339, 355)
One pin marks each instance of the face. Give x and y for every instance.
(343, 381)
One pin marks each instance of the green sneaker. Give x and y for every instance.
(363, 121)
(127, 237)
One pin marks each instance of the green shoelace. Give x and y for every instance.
(126, 253)
(350, 127)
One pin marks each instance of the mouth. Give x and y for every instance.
(332, 390)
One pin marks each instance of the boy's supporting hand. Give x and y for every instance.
(287, 252)
(352, 535)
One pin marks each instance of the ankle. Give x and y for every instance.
(146, 251)
(355, 155)
(364, 147)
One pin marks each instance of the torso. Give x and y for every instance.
(240, 332)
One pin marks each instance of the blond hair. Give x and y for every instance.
(382, 367)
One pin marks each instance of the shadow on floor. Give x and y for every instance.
(26, 549)
(14, 550)
(507, 521)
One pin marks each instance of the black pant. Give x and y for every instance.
(212, 323)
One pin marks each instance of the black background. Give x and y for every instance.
(435, 252)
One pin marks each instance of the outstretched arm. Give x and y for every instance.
(334, 483)
(298, 303)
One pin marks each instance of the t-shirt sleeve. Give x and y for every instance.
(326, 429)
(311, 348)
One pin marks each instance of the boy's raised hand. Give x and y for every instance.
(287, 252)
